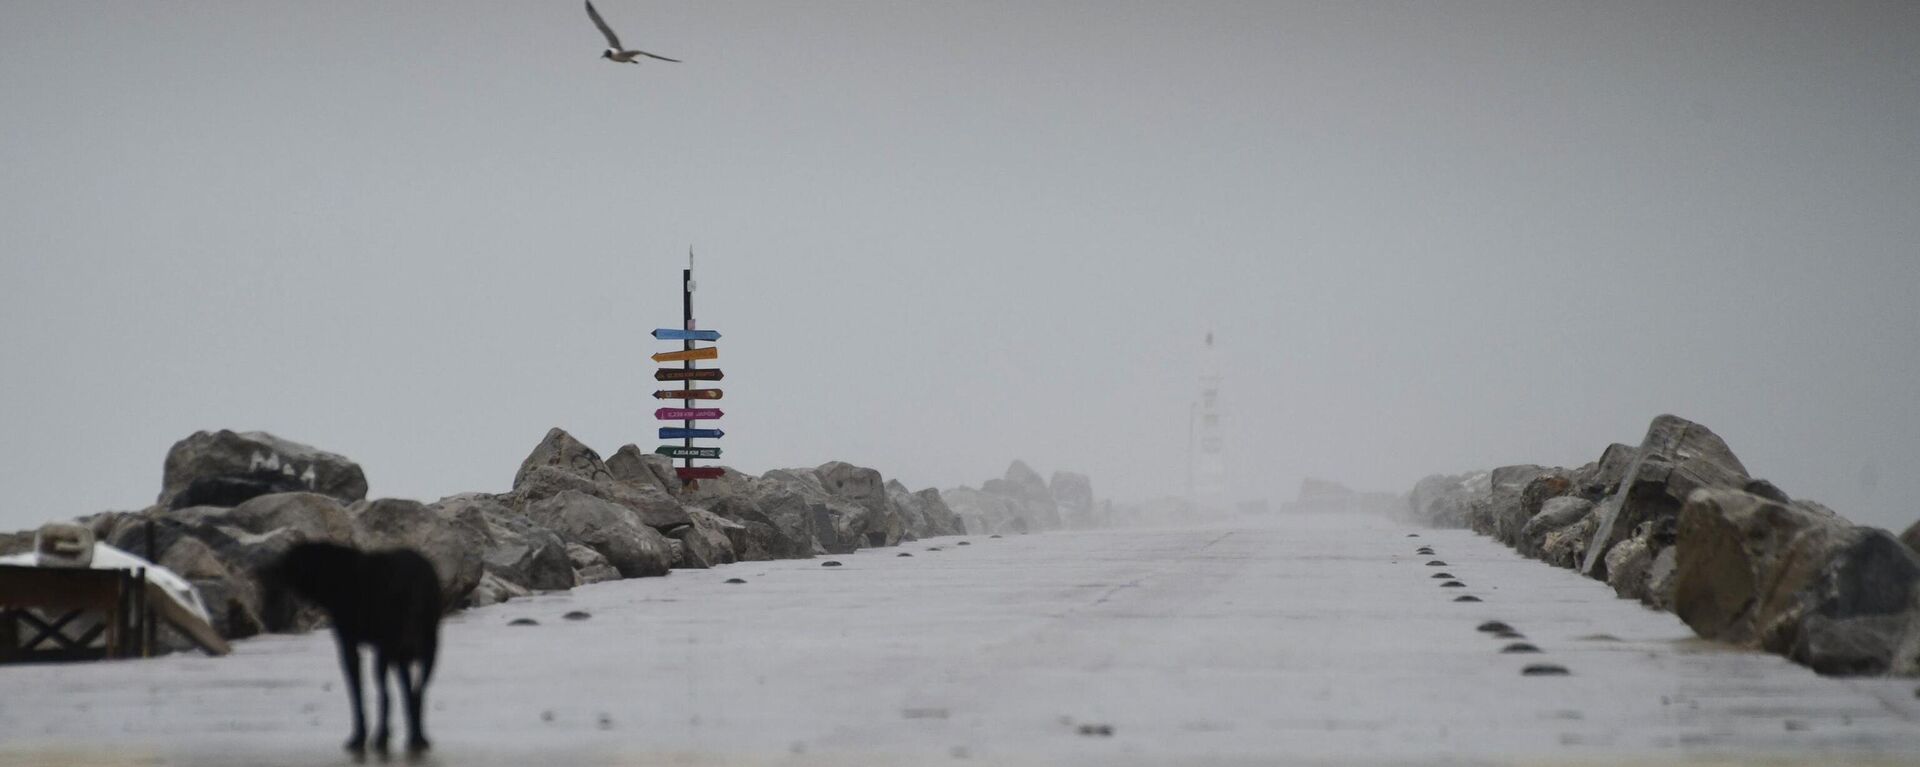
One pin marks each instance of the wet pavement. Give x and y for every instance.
(1299, 639)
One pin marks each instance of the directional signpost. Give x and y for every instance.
(687, 394)
(670, 334)
(707, 353)
(680, 432)
(688, 374)
(687, 334)
(688, 413)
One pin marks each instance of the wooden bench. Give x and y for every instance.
(38, 604)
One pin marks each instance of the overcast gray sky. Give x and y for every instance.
(1431, 236)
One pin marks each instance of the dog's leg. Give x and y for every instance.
(414, 687)
(350, 665)
(380, 683)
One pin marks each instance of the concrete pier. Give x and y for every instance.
(1304, 638)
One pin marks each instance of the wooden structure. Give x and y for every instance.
(39, 607)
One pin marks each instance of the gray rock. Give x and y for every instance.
(226, 468)
(514, 549)
(16, 543)
(591, 566)
(1675, 458)
(1556, 515)
(1641, 567)
(881, 525)
(941, 520)
(1447, 500)
(1498, 513)
(708, 541)
(1831, 595)
(630, 465)
(559, 450)
(493, 590)
(634, 548)
(654, 506)
(800, 506)
(984, 512)
(1602, 478)
(1912, 537)
(1073, 492)
(454, 549)
(735, 496)
(318, 517)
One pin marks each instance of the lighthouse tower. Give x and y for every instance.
(1207, 480)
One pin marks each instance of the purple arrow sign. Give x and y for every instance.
(688, 413)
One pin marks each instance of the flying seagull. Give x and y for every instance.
(614, 49)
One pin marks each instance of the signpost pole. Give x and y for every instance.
(686, 310)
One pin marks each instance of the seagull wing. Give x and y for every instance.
(652, 56)
(613, 40)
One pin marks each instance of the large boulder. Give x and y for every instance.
(453, 546)
(561, 451)
(514, 549)
(318, 517)
(1797, 581)
(617, 532)
(1602, 477)
(1642, 567)
(1035, 503)
(1446, 500)
(941, 520)
(708, 541)
(1500, 513)
(225, 468)
(1074, 494)
(926, 515)
(985, 513)
(1912, 537)
(733, 496)
(630, 465)
(1558, 534)
(802, 508)
(653, 505)
(590, 566)
(1676, 457)
(864, 487)
(232, 590)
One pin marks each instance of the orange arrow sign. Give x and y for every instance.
(708, 353)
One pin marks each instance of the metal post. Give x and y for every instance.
(686, 310)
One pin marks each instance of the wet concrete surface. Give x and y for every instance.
(1298, 639)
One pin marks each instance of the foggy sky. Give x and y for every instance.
(1430, 236)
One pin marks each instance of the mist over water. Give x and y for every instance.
(938, 237)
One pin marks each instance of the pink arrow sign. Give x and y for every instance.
(688, 413)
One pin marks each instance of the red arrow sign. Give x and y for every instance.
(688, 413)
(699, 472)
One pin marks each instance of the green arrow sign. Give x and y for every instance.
(676, 451)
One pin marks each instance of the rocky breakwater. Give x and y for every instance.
(232, 502)
(1680, 524)
(1022, 502)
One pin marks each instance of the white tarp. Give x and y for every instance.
(109, 558)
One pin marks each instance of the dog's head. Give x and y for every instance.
(314, 570)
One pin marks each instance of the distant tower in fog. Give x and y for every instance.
(1206, 462)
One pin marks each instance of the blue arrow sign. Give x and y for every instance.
(671, 334)
(674, 432)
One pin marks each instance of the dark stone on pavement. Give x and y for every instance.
(1466, 598)
(1544, 669)
(1517, 647)
(577, 615)
(830, 563)
(523, 622)
(1492, 626)
(1453, 585)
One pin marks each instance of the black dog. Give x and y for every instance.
(389, 600)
